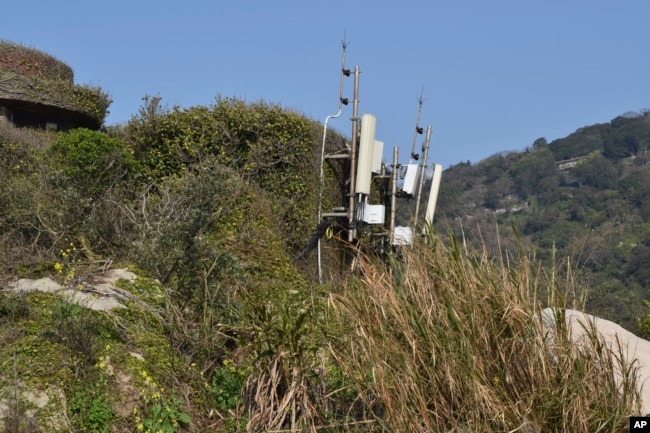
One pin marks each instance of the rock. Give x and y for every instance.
(99, 294)
(22, 408)
(46, 285)
(633, 348)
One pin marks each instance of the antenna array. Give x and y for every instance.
(364, 221)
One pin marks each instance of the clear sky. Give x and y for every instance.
(496, 74)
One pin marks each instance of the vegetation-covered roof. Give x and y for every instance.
(33, 63)
(29, 77)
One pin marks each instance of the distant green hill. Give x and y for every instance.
(581, 202)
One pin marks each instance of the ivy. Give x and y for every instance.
(266, 144)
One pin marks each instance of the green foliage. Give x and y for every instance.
(161, 413)
(91, 160)
(496, 166)
(532, 170)
(638, 266)
(582, 142)
(270, 146)
(183, 232)
(20, 196)
(227, 383)
(166, 416)
(283, 329)
(13, 307)
(92, 410)
(82, 331)
(621, 147)
(644, 323)
(89, 407)
(596, 171)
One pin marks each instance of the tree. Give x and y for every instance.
(621, 147)
(540, 143)
(597, 172)
(530, 170)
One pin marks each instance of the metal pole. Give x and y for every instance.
(425, 155)
(417, 126)
(344, 73)
(353, 158)
(393, 196)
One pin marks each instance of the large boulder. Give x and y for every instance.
(620, 340)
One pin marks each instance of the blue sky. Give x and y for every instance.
(496, 74)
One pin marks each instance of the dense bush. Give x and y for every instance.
(273, 147)
(91, 161)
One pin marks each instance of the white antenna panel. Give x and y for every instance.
(433, 195)
(377, 155)
(410, 178)
(366, 152)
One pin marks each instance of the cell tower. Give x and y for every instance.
(402, 186)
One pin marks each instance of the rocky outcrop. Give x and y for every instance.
(97, 293)
(617, 338)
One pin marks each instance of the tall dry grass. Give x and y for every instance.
(446, 340)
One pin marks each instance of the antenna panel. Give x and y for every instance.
(433, 195)
(410, 178)
(366, 151)
(377, 156)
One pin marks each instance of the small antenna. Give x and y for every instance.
(418, 129)
(344, 72)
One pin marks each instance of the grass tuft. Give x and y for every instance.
(448, 340)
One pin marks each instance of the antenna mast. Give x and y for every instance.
(418, 129)
(342, 101)
(344, 73)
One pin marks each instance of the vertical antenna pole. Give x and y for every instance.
(418, 130)
(425, 156)
(393, 197)
(344, 73)
(353, 157)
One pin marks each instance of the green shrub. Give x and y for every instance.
(93, 162)
(273, 147)
(91, 410)
(227, 383)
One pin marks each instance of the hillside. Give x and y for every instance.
(208, 205)
(580, 204)
(148, 283)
